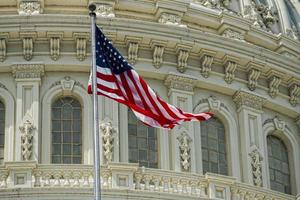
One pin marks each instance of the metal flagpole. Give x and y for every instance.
(97, 183)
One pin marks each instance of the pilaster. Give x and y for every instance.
(249, 107)
(182, 141)
(28, 79)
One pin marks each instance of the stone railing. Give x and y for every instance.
(126, 176)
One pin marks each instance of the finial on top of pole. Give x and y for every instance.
(92, 8)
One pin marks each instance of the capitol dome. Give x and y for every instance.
(239, 59)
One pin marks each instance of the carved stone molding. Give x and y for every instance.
(182, 52)
(178, 82)
(28, 39)
(133, 48)
(256, 163)
(279, 124)
(297, 120)
(108, 134)
(294, 91)
(55, 38)
(170, 19)
(215, 4)
(3, 46)
(206, 62)
(105, 10)
(253, 76)
(274, 83)
(185, 151)
(251, 13)
(230, 68)
(230, 33)
(28, 71)
(81, 40)
(292, 32)
(158, 52)
(214, 103)
(26, 139)
(243, 98)
(30, 7)
(67, 83)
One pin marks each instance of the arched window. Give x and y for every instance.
(66, 131)
(142, 142)
(2, 131)
(278, 165)
(213, 144)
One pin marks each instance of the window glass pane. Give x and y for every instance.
(66, 131)
(213, 146)
(278, 165)
(142, 143)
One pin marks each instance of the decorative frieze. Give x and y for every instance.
(104, 10)
(294, 91)
(230, 68)
(243, 98)
(29, 7)
(183, 83)
(27, 71)
(54, 44)
(256, 163)
(253, 76)
(108, 132)
(26, 140)
(81, 40)
(206, 62)
(185, 151)
(274, 82)
(170, 19)
(230, 33)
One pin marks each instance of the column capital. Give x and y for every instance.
(243, 98)
(28, 72)
(180, 82)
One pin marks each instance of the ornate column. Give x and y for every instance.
(182, 137)
(28, 79)
(249, 108)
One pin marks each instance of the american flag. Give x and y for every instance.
(117, 80)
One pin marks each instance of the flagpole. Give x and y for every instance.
(97, 182)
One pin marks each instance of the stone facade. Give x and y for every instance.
(237, 59)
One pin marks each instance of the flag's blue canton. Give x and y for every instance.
(109, 57)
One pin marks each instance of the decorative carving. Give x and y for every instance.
(133, 48)
(26, 139)
(184, 83)
(256, 162)
(253, 76)
(2, 49)
(279, 124)
(182, 60)
(206, 62)
(214, 103)
(54, 48)
(158, 53)
(243, 98)
(29, 7)
(67, 83)
(28, 71)
(3, 179)
(105, 10)
(108, 132)
(185, 151)
(269, 16)
(292, 32)
(168, 18)
(216, 4)
(27, 48)
(229, 71)
(294, 91)
(251, 13)
(81, 48)
(274, 83)
(229, 33)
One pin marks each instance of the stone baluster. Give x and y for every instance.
(166, 184)
(66, 177)
(138, 179)
(194, 185)
(156, 181)
(37, 178)
(203, 187)
(234, 193)
(184, 184)
(77, 176)
(57, 176)
(147, 179)
(175, 183)
(105, 176)
(86, 176)
(46, 177)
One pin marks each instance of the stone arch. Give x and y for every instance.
(279, 129)
(9, 103)
(231, 131)
(76, 91)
